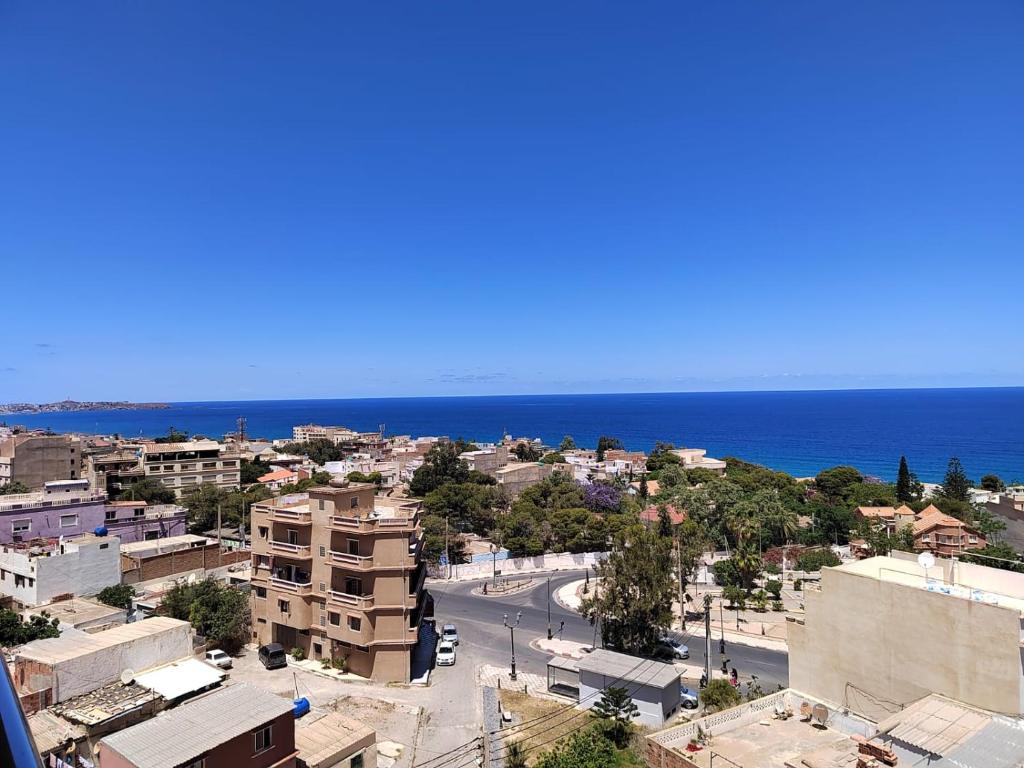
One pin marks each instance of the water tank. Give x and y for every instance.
(100, 530)
(301, 707)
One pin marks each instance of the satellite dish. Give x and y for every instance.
(191, 578)
(926, 560)
(805, 709)
(128, 676)
(820, 714)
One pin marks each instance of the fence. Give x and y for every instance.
(512, 566)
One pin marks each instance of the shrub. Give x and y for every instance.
(117, 596)
(340, 663)
(772, 568)
(719, 694)
(798, 585)
(735, 595)
(817, 559)
(726, 573)
(760, 599)
(777, 605)
(774, 588)
(298, 654)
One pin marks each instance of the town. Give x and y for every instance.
(359, 599)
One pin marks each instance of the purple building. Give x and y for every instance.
(69, 508)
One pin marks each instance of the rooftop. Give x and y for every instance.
(182, 734)
(180, 678)
(328, 739)
(194, 445)
(57, 649)
(78, 610)
(277, 474)
(104, 703)
(631, 669)
(166, 544)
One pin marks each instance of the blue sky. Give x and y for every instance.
(204, 200)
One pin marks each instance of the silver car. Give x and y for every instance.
(449, 634)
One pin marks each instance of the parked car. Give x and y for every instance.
(688, 697)
(673, 647)
(450, 634)
(446, 655)
(218, 659)
(272, 656)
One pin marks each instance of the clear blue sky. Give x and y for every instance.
(205, 200)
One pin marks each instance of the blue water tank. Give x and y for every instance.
(301, 707)
(100, 530)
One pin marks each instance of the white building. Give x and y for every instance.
(652, 685)
(34, 574)
(697, 458)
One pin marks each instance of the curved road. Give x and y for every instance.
(483, 637)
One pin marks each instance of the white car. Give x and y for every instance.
(218, 659)
(446, 655)
(449, 634)
(674, 647)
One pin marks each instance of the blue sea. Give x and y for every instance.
(797, 432)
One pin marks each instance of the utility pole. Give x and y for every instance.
(721, 624)
(707, 637)
(512, 638)
(447, 559)
(679, 579)
(549, 607)
(220, 540)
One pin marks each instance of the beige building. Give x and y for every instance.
(180, 466)
(486, 460)
(886, 631)
(337, 573)
(34, 459)
(516, 477)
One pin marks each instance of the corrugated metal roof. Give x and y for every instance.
(183, 734)
(621, 669)
(58, 649)
(181, 677)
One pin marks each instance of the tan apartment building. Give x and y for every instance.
(34, 459)
(181, 466)
(337, 572)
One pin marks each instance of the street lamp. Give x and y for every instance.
(549, 607)
(512, 639)
(494, 566)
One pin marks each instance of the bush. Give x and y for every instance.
(298, 654)
(798, 585)
(771, 568)
(117, 596)
(726, 573)
(340, 663)
(736, 597)
(760, 599)
(774, 588)
(817, 559)
(719, 694)
(777, 605)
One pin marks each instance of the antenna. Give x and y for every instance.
(241, 429)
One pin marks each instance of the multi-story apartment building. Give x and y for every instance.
(486, 460)
(115, 469)
(181, 466)
(337, 572)
(62, 508)
(33, 459)
(35, 573)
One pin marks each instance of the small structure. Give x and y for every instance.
(81, 613)
(37, 571)
(652, 685)
(335, 740)
(564, 676)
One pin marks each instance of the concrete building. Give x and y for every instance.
(277, 478)
(697, 458)
(114, 469)
(36, 572)
(233, 726)
(133, 521)
(32, 459)
(175, 557)
(933, 530)
(335, 741)
(62, 508)
(60, 668)
(337, 572)
(486, 460)
(885, 631)
(80, 613)
(516, 477)
(181, 466)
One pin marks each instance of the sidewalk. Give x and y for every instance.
(525, 682)
(695, 628)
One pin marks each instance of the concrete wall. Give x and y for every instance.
(36, 459)
(46, 521)
(183, 561)
(512, 566)
(868, 643)
(84, 569)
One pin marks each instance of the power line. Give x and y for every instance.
(473, 744)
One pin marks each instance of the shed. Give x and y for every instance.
(652, 685)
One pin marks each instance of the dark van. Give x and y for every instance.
(272, 656)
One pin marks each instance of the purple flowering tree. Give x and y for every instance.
(599, 497)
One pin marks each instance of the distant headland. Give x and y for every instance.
(68, 406)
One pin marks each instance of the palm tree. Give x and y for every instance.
(748, 563)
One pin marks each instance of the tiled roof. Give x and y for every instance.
(875, 511)
(277, 474)
(650, 515)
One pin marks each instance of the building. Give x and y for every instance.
(945, 535)
(32, 459)
(893, 518)
(887, 629)
(696, 458)
(337, 572)
(61, 508)
(486, 460)
(54, 670)
(232, 726)
(38, 571)
(652, 515)
(114, 469)
(175, 557)
(279, 477)
(81, 613)
(181, 466)
(514, 478)
(133, 521)
(652, 685)
(335, 741)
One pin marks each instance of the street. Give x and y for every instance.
(486, 640)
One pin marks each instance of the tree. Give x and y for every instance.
(359, 477)
(835, 483)
(616, 707)
(218, 612)
(605, 443)
(735, 595)
(441, 465)
(748, 564)
(634, 602)
(662, 457)
(515, 757)
(319, 450)
(955, 484)
(552, 458)
(173, 436)
(117, 596)
(996, 555)
(904, 482)
(202, 501)
(14, 631)
(719, 694)
(251, 471)
(525, 452)
(817, 559)
(644, 492)
(583, 749)
(992, 483)
(148, 490)
(601, 497)
(17, 486)
(567, 444)
(664, 521)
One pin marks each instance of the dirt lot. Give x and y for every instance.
(559, 721)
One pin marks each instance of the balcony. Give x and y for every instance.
(295, 587)
(362, 602)
(300, 516)
(291, 550)
(372, 524)
(355, 562)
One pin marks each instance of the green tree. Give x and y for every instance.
(9, 489)
(616, 707)
(996, 555)
(634, 602)
(567, 444)
(605, 443)
(14, 631)
(251, 471)
(735, 595)
(202, 501)
(835, 483)
(748, 564)
(117, 596)
(434, 537)
(719, 694)
(148, 490)
(662, 457)
(583, 749)
(664, 521)
(644, 492)
(992, 483)
(359, 477)
(904, 483)
(554, 457)
(319, 450)
(441, 465)
(218, 612)
(526, 452)
(817, 559)
(955, 484)
(173, 436)
(515, 756)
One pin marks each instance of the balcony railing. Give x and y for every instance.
(361, 562)
(294, 587)
(283, 515)
(293, 550)
(362, 602)
(370, 524)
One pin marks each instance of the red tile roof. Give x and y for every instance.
(650, 515)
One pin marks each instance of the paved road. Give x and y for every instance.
(479, 621)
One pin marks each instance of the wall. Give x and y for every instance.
(168, 564)
(899, 643)
(653, 703)
(510, 566)
(46, 520)
(85, 570)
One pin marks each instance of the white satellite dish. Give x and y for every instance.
(926, 560)
(191, 578)
(128, 676)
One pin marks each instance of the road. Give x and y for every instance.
(479, 620)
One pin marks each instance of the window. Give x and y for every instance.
(323, 587)
(318, 649)
(323, 551)
(139, 512)
(282, 606)
(104, 545)
(261, 592)
(293, 536)
(323, 620)
(200, 763)
(353, 546)
(264, 739)
(355, 623)
(264, 531)
(262, 561)
(151, 535)
(21, 526)
(335, 619)
(320, 504)
(357, 761)
(110, 514)
(68, 521)
(354, 502)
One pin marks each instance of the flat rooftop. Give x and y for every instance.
(326, 740)
(78, 610)
(632, 669)
(57, 649)
(165, 544)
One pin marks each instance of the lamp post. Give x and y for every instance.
(549, 607)
(494, 566)
(512, 639)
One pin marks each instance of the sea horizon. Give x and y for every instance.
(796, 431)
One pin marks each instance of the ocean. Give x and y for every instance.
(797, 432)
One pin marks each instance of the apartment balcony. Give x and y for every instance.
(300, 516)
(298, 551)
(294, 587)
(360, 602)
(350, 562)
(372, 524)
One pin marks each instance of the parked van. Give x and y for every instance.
(272, 656)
